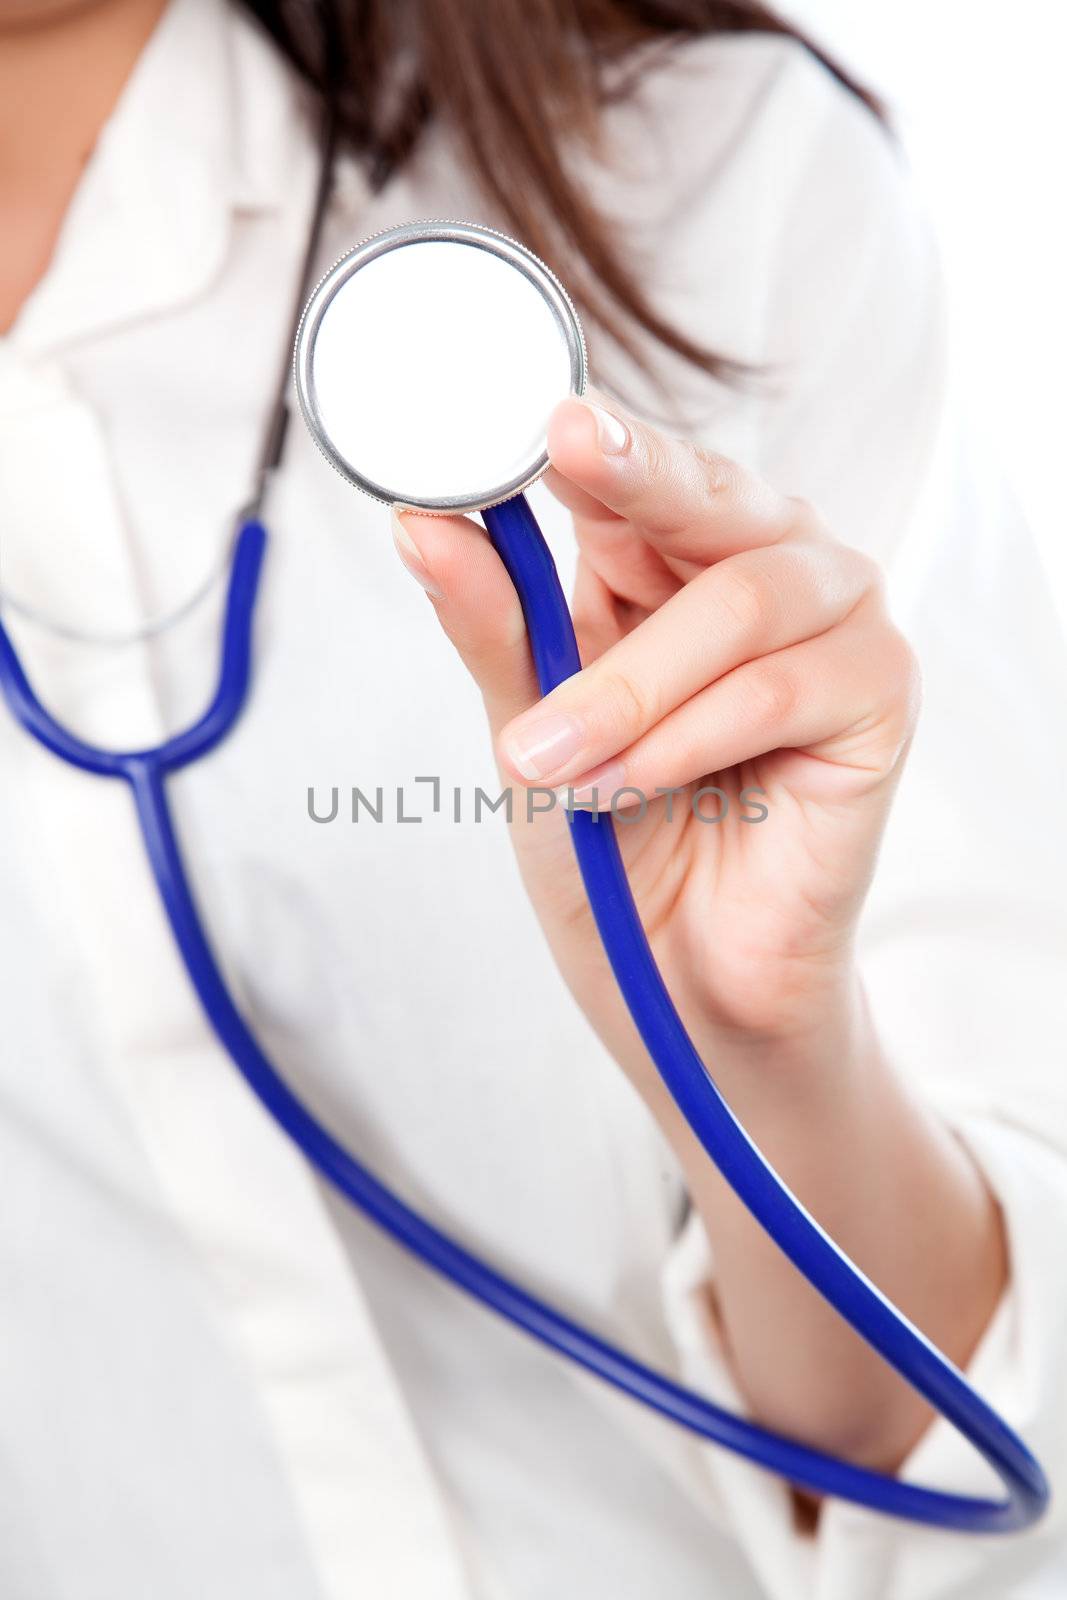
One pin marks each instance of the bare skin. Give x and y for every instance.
(728, 638)
(62, 67)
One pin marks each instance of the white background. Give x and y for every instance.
(978, 92)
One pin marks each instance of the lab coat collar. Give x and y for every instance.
(210, 124)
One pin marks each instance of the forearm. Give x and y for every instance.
(893, 1187)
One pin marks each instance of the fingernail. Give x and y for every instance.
(596, 789)
(543, 745)
(411, 557)
(612, 436)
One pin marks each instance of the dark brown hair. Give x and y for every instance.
(514, 81)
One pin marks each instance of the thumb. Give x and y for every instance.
(453, 560)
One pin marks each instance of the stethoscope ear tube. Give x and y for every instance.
(519, 542)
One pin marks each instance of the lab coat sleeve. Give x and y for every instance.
(964, 939)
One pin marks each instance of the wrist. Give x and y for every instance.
(816, 1024)
(822, 1073)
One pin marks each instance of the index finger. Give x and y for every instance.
(689, 503)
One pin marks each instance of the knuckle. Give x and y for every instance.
(664, 508)
(772, 694)
(728, 488)
(657, 452)
(627, 706)
(718, 474)
(718, 483)
(745, 595)
(855, 578)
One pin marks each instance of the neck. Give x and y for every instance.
(63, 64)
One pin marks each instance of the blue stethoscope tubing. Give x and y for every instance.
(518, 540)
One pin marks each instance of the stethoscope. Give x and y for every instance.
(407, 356)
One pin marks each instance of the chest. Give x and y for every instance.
(387, 957)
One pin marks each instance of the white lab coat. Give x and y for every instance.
(214, 1380)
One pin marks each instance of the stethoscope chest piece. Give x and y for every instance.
(429, 360)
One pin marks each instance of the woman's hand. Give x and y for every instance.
(730, 643)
